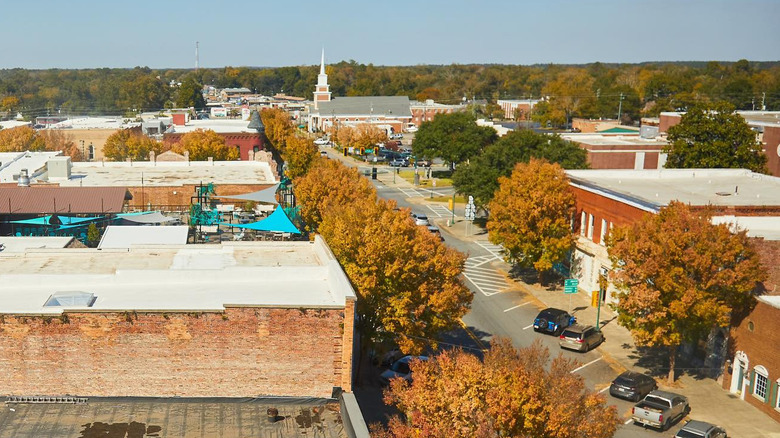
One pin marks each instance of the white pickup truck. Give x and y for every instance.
(660, 409)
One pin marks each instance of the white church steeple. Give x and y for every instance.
(322, 90)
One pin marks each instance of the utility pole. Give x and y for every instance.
(197, 56)
(763, 101)
(620, 107)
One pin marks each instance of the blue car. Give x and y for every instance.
(553, 321)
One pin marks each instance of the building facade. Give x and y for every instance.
(241, 319)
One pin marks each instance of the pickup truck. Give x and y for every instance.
(660, 409)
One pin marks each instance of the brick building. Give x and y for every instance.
(606, 198)
(518, 109)
(241, 319)
(426, 111)
(621, 151)
(765, 123)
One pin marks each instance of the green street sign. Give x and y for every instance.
(571, 282)
(570, 289)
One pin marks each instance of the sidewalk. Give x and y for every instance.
(709, 401)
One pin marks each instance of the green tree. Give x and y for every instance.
(190, 94)
(530, 215)
(510, 393)
(93, 235)
(679, 276)
(479, 177)
(453, 137)
(714, 137)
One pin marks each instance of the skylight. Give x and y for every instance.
(71, 299)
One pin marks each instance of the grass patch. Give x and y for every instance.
(408, 175)
(458, 199)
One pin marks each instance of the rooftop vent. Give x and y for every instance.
(71, 299)
(24, 179)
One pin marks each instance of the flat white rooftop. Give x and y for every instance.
(168, 173)
(14, 244)
(613, 140)
(220, 126)
(110, 123)
(11, 163)
(175, 278)
(127, 236)
(719, 187)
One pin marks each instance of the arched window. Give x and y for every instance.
(760, 382)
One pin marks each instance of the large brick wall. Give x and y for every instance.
(242, 352)
(772, 149)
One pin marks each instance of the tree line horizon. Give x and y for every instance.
(596, 90)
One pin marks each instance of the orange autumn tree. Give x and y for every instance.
(127, 143)
(20, 139)
(510, 393)
(278, 127)
(299, 155)
(679, 276)
(328, 183)
(530, 215)
(202, 144)
(406, 279)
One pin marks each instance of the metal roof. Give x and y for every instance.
(388, 106)
(73, 200)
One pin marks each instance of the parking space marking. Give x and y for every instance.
(629, 421)
(526, 328)
(517, 306)
(583, 366)
(603, 390)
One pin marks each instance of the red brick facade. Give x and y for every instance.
(601, 208)
(243, 352)
(772, 148)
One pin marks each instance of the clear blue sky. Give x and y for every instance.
(162, 33)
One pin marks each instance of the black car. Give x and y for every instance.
(632, 386)
(552, 320)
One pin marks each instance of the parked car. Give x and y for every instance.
(423, 163)
(322, 141)
(411, 128)
(436, 232)
(632, 386)
(399, 162)
(323, 154)
(400, 368)
(396, 136)
(700, 429)
(420, 219)
(660, 409)
(552, 320)
(581, 338)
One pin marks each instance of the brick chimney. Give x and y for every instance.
(180, 119)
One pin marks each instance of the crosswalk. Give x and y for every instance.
(440, 210)
(495, 250)
(484, 277)
(410, 192)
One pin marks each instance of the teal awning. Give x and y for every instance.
(275, 222)
(60, 221)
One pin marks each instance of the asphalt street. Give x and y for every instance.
(501, 306)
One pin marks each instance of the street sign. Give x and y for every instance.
(571, 282)
(570, 289)
(471, 210)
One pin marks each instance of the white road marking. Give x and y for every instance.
(629, 421)
(440, 210)
(515, 307)
(589, 363)
(603, 390)
(526, 328)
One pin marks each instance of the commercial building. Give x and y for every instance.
(607, 198)
(89, 134)
(240, 319)
(766, 124)
(247, 137)
(517, 109)
(427, 110)
(620, 151)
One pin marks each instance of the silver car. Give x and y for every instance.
(581, 338)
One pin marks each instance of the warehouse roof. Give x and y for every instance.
(69, 200)
(168, 173)
(177, 277)
(126, 236)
